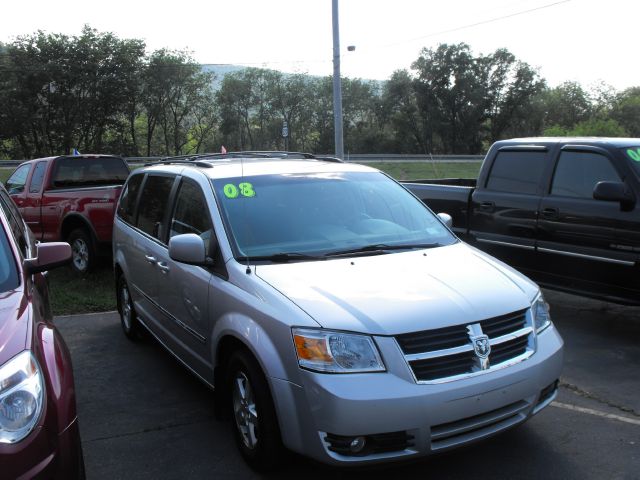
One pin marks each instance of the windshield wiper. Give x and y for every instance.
(281, 257)
(380, 248)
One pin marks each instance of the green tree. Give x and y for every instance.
(451, 97)
(67, 92)
(174, 86)
(626, 110)
(511, 89)
(401, 114)
(566, 105)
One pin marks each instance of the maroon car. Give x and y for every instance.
(39, 436)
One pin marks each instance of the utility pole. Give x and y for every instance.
(337, 85)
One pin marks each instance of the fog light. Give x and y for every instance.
(357, 444)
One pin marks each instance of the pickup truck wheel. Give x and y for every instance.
(255, 423)
(128, 318)
(82, 252)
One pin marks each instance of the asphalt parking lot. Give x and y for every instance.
(143, 416)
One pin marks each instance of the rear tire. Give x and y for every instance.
(128, 318)
(83, 255)
(255, 424)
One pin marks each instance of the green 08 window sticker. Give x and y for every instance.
(634, 154)
(244, 189)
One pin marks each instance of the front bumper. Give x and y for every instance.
(43, 455)
(326, 411)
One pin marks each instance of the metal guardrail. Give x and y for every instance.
(355, 158)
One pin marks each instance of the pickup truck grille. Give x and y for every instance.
(447, 354)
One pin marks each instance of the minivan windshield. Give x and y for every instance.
(633, 157)
(307, 216)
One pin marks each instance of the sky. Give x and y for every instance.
(588, 41)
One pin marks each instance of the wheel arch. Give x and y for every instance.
(74, 221)
(240, 331)
(235, 332)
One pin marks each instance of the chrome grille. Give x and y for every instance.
(447, 354)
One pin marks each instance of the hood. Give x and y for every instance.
(402, 292)
(14, 324)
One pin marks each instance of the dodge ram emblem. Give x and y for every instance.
(481, 346)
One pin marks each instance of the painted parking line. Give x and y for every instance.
(596, 413)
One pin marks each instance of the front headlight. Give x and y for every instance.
(21, 397)
(541, 315)
(336, 352)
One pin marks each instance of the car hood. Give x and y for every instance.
(14, 324)
(402, 292)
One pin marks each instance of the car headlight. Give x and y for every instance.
(541, 315)
(21, 397)
(336, 352)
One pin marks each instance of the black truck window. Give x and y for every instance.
(516, 172)
(577, 173)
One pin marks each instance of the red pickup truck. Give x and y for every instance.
(70, 198)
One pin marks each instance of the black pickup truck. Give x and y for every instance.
(563, 211)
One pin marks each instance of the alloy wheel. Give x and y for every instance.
(244, 409)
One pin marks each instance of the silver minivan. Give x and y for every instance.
(333, 313)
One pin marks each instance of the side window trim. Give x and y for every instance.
(132, 221)
(168, 215)
(16, 222)
(26, 167)
(163, 240)
(136, 208)
(40, 166)
(579, 149)
(518, 149)
(178, 188)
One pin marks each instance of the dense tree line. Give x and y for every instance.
(98, 93)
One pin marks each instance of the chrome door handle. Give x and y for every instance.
(151, 259)
(164, 268)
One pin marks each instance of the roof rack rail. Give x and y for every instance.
(329, 158)
(169, 161)
(194, 158)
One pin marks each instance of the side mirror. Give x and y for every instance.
(614, 192)
(446, 219)
(50, 255)
(187, 248)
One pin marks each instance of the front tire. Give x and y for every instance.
(128, 318)
(83, 254)
(254, 419)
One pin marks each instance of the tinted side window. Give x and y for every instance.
(71, 172)
(153, 204)
(37, 177)
(578, 172)
(8, 270)
(16, 223)
(191, 214)
(15, 183)
(127, 205)
(517, 172)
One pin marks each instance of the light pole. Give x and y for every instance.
(337, 86)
